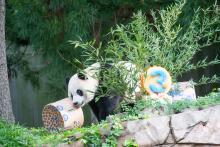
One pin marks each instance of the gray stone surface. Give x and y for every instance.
(187, 129)
(183, 123)
(190, 128)
(152, 112)
(148, 132)
(170, 139)
(206, 131)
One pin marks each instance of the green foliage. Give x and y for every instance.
(91, 135)
(16, 61)
(163, 42)
(103, 134)
(168, 108)
(130, 143)
(200, 103)
(134, 112)
(115, 132)
(207, 80)
(16, 135)
(46, 24)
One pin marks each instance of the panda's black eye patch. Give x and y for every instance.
(79, 92)
(71, 96)
(82, 76)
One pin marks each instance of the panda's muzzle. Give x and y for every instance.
(77, 104)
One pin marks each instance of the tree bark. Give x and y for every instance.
(6, 112)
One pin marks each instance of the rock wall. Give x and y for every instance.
(187, 129)
(191, 128)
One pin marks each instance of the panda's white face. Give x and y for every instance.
(82, 86)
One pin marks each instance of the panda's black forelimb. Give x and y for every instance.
(105, 106)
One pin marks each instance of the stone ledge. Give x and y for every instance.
(187, 129)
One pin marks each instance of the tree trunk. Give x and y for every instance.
(5, 99)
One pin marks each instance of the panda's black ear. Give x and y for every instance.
(82, 76)
(67, 80)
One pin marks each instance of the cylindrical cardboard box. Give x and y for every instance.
(62, 115)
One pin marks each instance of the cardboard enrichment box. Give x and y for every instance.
(62, 115)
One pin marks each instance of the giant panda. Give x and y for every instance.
(83, 87)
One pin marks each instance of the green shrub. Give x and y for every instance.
(16, 135)
(130, 143)
(164, 42)
(103, 134)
